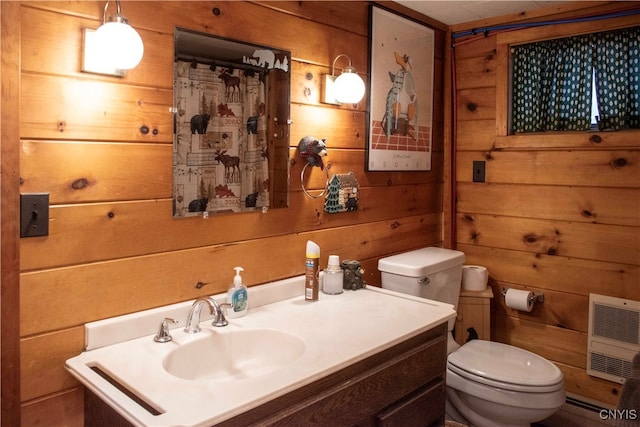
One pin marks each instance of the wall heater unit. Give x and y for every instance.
(614, 337)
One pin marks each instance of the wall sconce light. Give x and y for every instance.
(114, 47)
(347, 88)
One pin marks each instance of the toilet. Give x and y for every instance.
(489, 384)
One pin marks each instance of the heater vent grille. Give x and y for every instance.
(610, 365)
(616, 323)
(614, 336)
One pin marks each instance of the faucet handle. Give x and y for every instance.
(163, 334)
(219, 319)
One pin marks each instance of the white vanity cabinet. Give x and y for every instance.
(400, 386)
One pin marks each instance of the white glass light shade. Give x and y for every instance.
(119, 45)
(348, 87)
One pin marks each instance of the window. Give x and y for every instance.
(563, 84)
(595, 115)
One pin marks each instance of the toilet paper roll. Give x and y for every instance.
(519, 300)
(474, 277)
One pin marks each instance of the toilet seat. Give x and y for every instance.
(506, 367)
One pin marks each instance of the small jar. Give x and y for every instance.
(332, 279)
(353, 275)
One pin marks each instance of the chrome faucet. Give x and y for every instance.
(194, 314)
(163, 334)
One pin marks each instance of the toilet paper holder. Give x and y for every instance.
(536, 297)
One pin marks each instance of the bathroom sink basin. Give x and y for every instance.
(222, 355)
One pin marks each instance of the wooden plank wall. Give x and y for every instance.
(558, 214)
(113, 246)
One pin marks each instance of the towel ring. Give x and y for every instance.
(324, 190)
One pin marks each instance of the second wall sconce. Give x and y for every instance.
(347, 88)
(114, 47)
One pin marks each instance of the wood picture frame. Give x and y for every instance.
(400, 110)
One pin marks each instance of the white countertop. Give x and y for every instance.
(337, 331)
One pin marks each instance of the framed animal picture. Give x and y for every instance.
(401, 67)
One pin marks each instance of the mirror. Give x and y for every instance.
(231, 126)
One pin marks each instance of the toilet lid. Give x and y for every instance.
(503, 363)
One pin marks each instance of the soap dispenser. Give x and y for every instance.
(237, 296)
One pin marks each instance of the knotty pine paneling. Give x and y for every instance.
(476, 135)
(558, 213)
(577, 381)
(595, 205)
(567, 274)
(43, 356)
(68, 108)
(74, 228)
(611, 243)
(549, 341)
(478, 72)
(74, 171)
(252, 22)
(601, 168)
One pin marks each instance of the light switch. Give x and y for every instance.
(34, 214)
(478, 170)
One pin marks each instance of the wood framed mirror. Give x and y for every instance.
(231, 125)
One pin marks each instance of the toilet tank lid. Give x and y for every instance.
(421, 262)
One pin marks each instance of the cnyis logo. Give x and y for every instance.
(619, 414)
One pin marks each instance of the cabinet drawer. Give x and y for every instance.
(424, 407)
(358, 399)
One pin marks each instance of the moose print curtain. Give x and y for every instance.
(220, 145)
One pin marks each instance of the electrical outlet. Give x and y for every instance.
(34, 214)
(478, 170)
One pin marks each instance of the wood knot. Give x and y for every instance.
(216, 11)
(395, 225)
(80, 183)
(471, 106)
(551, 251)
(618, 162)
(488, 156)
(587, 213)
(468, 218)
(596, 139)
(144, 129)
(62, 125)
(111, 214)
(530, 238)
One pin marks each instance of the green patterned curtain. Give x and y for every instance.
(552, 85)
(552, 82)
(618, 78)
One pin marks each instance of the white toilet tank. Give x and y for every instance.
(433, 273)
